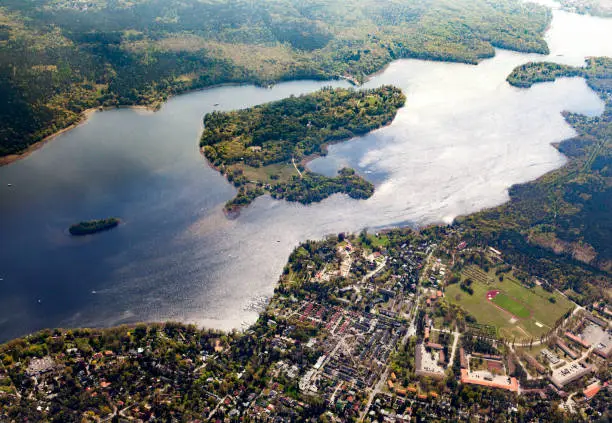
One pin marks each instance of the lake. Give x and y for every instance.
(463, 138)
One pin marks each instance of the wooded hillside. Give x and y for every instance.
(60, 57)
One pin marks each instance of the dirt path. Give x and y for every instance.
(296, 168)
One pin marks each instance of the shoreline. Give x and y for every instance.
(352, 80)
(83, 118)
(153, 107)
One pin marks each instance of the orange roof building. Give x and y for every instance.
(512, 387)
(591, 390)
(577, 340)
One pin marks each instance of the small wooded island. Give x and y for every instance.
(596, 71)
(263, 149)
(93, 226)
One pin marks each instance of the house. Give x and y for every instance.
(434, 346)
(441, 358)
(463, 358)
(603, 350)
(591, 390)
(533, 362)
(39, 366)
(573, 354)
(597, 320)
(577, 340)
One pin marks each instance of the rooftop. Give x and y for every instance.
(478, 378)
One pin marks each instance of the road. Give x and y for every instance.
(375, 271)
(538, 342)
(411, 331)
(377, 389)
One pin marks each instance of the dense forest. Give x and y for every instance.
(61, 57)
(563, 218)
(259, 148)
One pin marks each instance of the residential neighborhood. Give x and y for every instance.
(368, 327)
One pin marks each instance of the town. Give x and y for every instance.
(394, 326)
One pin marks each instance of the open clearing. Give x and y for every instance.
(516, 311)
(271, 174)
(508, 304)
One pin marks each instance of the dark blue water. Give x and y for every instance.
(142, 167)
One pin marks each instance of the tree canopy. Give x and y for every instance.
(60, 57)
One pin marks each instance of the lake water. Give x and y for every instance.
(462, 139)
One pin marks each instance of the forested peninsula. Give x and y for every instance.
(263, 149)
(59, 58)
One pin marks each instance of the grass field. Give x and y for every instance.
(530, 313)
(509, 304)
(282, 171)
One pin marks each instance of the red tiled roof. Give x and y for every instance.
(576, 339)
(434, 346)
(592, 390)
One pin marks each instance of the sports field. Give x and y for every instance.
(516, 311)
(511, 305)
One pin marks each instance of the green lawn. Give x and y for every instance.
(282, 171)
(381, 240)
(536, 314)
(507, 303)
